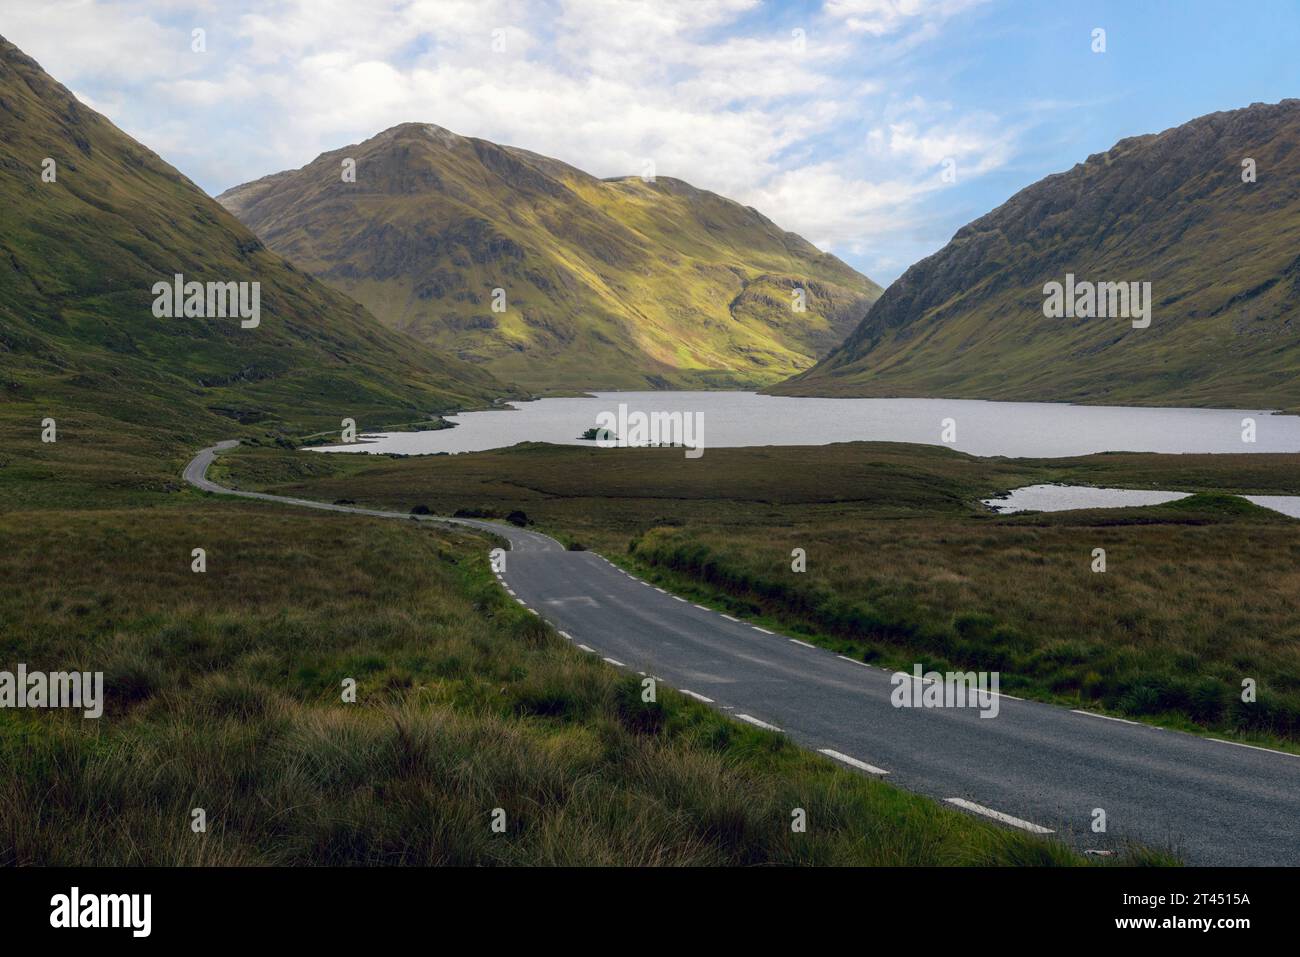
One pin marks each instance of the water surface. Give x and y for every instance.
(732, 419)
(1062, 498)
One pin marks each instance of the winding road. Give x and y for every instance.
(1035, 766)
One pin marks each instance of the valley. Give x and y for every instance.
(436, 501)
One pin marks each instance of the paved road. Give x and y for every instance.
(1032, 766)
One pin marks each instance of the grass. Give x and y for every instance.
(904, 566)
(223, 693)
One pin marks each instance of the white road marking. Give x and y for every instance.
(854, 660)
(510, 590)
(615, 662)
(585, 648)
(1093, 714)
(754, 721)
(729, 618)
(660, 590)
(1255, 747)
(697, 697)
(701, 608)
(926, 680)
(533, 611)
(804, 643)
(522, 602)
(853, 762)
(565, 634)
(763, 630)
(675, 598)
(999, 816)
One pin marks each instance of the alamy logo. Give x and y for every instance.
(54, 689)
(1098, 300)
(638, 429)
(75, 909)
(214, 300)
(955, 689)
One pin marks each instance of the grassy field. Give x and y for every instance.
(904, 566)
(224, 693)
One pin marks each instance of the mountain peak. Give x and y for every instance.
(1207, 212)
(551, 276)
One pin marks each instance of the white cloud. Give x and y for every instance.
(978, 143)
(836, 210)
(880, 18)
(716, 92)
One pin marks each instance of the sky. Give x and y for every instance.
(873, 128)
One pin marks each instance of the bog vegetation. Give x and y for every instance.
(905, 566)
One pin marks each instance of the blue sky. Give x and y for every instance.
(836, 118)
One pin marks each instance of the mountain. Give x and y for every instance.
(81, 249)
(619, 283)
(1222, 257)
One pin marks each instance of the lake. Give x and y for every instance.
(732, 419)
(1062, 498)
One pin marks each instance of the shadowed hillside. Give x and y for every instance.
(79, 341)
(1170, 209)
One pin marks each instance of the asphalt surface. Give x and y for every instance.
(1033, 766)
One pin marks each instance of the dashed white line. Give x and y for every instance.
(763, 630)
(522, 602)
(675, 598)
(999, 816)
(1094, 714)
(697, 697)
(660, 590)
(615, 662)
(853, 762)
(754, 721)
(729, 618)
(565, 634)
(927, 680)
(854, 660)
(701, 607)
(804, 643)
(533, 611)
(586, 648)
(1255, 747)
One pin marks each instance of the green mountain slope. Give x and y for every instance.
(79, 257)
(1222, 257)
(608, 283)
